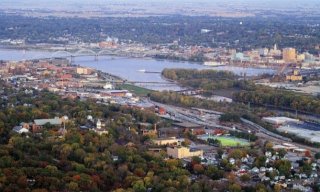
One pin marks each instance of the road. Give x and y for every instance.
(258, 128)
(184, 114)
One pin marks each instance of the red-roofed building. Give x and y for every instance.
(65, 76)
(218, 132)
(198, 131)
(162, 111)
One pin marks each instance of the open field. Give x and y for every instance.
(140, 91)
(227, 141)
(232, 141)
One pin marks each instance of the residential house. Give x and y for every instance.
(101, 127)
(20, 129)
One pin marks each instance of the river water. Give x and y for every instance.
(130, 68)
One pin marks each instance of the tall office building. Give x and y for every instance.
(275, 51)
(289, 55)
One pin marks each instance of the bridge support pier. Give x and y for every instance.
(96, 57)
(71, 59)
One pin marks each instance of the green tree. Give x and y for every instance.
(73, 186)
(213, 172)
(283, 166)
(260, 161)
(234, 187)
(245, 178)
(138, 186)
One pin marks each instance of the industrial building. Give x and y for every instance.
(305, 130)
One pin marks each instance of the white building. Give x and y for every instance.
(100, 128)
(168, 141)
(108, 86)
(264, 51)
(98, 124)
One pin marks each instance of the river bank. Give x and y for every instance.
(128, 68)
(121, 53)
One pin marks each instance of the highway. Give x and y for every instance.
(184, 114)
(263, 130)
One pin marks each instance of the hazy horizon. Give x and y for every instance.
(252, 3)
(233, 8)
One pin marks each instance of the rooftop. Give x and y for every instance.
(55, 121)
(279, 120)
(169, 138)
(301, 131)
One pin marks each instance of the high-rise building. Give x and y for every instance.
(275, 51)
(264, 51)
(289, 55)
(83, 71)
(301, 57)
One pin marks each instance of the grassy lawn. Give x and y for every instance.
(140, 91)
(228, 141)
(232, 142)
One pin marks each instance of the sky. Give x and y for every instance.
(307, 6)
(258, 3)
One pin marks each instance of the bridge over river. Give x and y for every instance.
(144, 83)
(96, 53)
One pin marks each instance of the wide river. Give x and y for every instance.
(130, 68)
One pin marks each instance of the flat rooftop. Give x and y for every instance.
(307, 132)
(306, 125)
